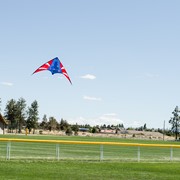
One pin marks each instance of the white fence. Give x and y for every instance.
(83, 150)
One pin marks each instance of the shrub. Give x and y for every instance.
(68, 131)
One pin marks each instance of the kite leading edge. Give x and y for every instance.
(54, 66)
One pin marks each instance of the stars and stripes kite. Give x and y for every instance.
(54, 66)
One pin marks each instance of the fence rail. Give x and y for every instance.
(85, 150)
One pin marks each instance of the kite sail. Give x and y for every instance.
(54, 66)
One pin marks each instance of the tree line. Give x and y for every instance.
(21, 116)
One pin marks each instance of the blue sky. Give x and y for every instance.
(122, 57)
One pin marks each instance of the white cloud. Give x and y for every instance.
(88, 76)
(7, 83)
(135, 124)
(89, 98)
(108, 119)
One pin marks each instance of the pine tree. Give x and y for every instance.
(175, 122)
(32, 120)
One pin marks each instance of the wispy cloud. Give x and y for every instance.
(90, 98)
(6, 83)
(110, 118)
(150, 75)
(147, 75)
(88, 76)
(110, 114)
(135, 124)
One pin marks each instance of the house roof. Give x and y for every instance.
(2, 119)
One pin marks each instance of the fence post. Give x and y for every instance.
(139, 154)
(101, 153)
(8, 151)
(57, 151)
(171, 154)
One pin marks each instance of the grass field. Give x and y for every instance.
(39, 160)
(77, 170)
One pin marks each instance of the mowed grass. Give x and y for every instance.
(39, 160)
(77, 170)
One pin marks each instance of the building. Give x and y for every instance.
(84, 129)
(3, 124)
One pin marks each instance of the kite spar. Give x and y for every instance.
(54, 66)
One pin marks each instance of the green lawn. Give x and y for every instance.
(78, 170)
(40, 160)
